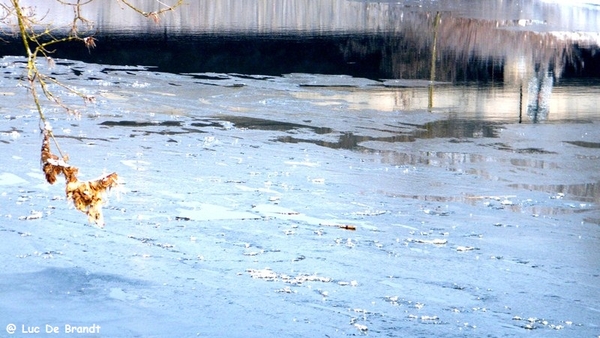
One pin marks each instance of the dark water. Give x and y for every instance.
(456, 41)
(378, 56)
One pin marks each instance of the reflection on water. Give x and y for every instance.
(522, 55)
(276, 16)
(540, 91)
(587, 192)
(456, 129)
(492, 41)
(245, 122)
(585, 144)
(503, 103)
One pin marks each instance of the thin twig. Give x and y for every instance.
(150, 14)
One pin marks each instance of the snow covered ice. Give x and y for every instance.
(259, 206)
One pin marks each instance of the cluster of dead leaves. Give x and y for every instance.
(87, 196)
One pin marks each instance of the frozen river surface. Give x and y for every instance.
(299, 206)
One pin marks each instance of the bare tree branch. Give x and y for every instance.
(37, 39)
(156, 14)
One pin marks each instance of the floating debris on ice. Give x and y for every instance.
(360, 327)
(34, 215)
(461, 248)
(436, 241)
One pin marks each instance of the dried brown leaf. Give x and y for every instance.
(51, 172)
(87, 196)
(52, 165)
